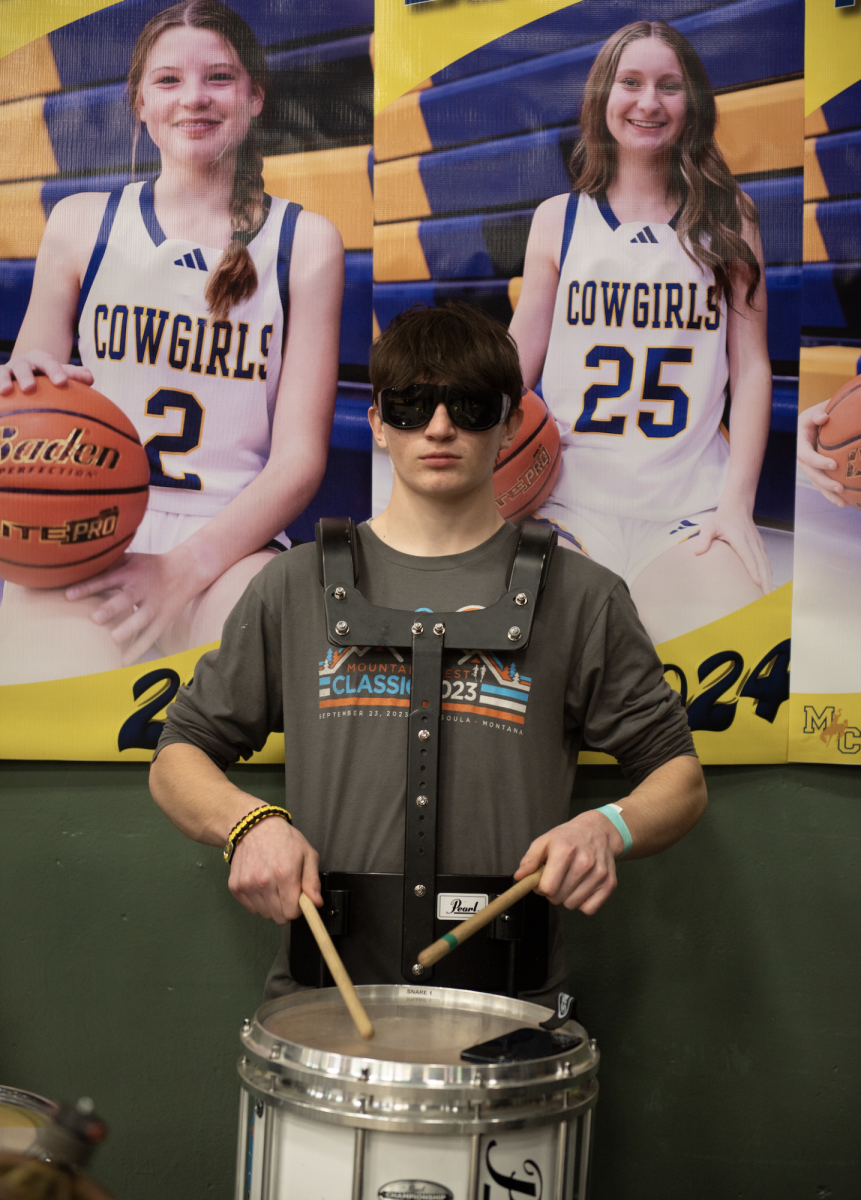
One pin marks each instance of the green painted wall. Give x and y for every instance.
(722, 982)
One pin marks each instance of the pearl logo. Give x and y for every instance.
(457, 906)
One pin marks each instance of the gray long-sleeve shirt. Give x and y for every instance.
(512, 723)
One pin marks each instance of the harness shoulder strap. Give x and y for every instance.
(532, 558)
(336, 551)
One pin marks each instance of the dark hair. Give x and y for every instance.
(713, 205)
(234, 278)
(455, 343)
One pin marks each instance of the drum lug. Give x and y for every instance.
(336, 912)
(509, 926)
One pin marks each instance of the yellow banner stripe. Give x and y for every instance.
(81, 719)
(334, 183)
(398, 253)
(29, 71)
(762, 129)
(822, 370)
(25, 147)
(815, 187)
(832, 51)
(22, 219)
(414, 41)
(815, 249)
(400, 129)
(22, 21)
(399, 192)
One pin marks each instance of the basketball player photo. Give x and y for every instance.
(206, 313)
(640, 187)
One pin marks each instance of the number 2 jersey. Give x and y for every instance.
(636, 369)
(200, 393)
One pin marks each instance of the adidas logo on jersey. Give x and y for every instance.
(645, 235)
(195, 260)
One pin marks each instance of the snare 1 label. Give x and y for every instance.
(457, 906)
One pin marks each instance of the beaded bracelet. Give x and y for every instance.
(251, 819)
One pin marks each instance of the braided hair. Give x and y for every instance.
(234, 278)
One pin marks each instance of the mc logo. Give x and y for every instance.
(830, 727)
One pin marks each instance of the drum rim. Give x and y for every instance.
(359, 1111)
(272, 1049)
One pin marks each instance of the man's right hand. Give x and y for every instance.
(273, 862)
(271, 866)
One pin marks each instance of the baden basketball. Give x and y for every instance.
(525, 473)
(840, 439)
(74, 481)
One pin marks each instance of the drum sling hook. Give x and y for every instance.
(504, 626)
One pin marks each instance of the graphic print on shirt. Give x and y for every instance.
(481, 685)
(363, 676)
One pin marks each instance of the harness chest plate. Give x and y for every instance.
(351, 620)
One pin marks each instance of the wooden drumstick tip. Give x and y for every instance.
(449, 941)
(343, 982)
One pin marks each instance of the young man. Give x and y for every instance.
(506, 770)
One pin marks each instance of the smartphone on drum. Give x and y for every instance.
(521, 1045)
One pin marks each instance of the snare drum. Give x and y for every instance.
(325, 1115)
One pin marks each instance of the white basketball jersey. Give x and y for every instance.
(636, 370)
(201, 393)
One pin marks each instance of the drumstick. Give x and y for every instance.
(339, 971)
(440, 948)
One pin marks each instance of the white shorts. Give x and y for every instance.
(627, 545)
(159, 532)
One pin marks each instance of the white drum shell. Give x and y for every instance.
(318, 1125)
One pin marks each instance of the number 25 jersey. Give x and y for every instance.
(636, 369)
(200, 393)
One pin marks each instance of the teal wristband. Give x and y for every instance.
(613, 815)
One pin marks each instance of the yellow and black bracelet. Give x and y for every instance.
(251, 819)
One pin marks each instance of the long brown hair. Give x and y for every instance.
(234, 278)
(713, 205)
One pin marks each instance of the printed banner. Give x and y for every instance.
(676, 410)
(825, 705)
(133, 150)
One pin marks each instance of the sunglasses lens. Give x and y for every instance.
(473, 409)
(408, 407)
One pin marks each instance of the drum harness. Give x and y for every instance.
(504, 626)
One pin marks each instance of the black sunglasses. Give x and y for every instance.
(412, 406)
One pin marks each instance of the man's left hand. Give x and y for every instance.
(579, 860)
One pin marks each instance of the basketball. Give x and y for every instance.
(525, 473)
(74, 481)
(840, 439)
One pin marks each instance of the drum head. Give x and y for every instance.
(404, 1031)
(21, 1115)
